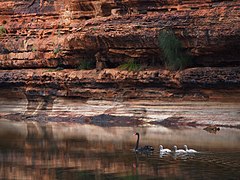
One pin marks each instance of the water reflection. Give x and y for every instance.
(29, 150)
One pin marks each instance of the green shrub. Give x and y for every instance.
(86, 65)
(57, 50)
(2, 30)
(34, 49)
(175, 57)
(131, 65)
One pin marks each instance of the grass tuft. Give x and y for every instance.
(131, 65)
(175, 57)
(57, 50)
(2, 30)
(86, 65)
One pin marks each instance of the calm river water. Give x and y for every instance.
(31, 150)
(70, 140)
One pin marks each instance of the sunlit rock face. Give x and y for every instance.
(46, 33)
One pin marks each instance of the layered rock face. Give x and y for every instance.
(114, 84)
(53, 33)
(40, 34)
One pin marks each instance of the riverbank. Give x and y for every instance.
(111, 97)
(132, 113)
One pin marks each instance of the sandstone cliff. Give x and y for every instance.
(41, 34)
(47, 33)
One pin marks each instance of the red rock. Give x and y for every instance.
(80, 29)
(60, 33)
(112, 83)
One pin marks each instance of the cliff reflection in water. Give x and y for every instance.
(30, 150)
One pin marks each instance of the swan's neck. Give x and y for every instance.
(175, 148)
(137, 143)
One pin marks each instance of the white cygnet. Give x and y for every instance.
(189, 150)
(179, 151)
(164, 150)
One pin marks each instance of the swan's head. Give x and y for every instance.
(160, 147)
(174, 148)
(137, 134)
(185, 147)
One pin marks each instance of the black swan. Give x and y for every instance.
(144, 149)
